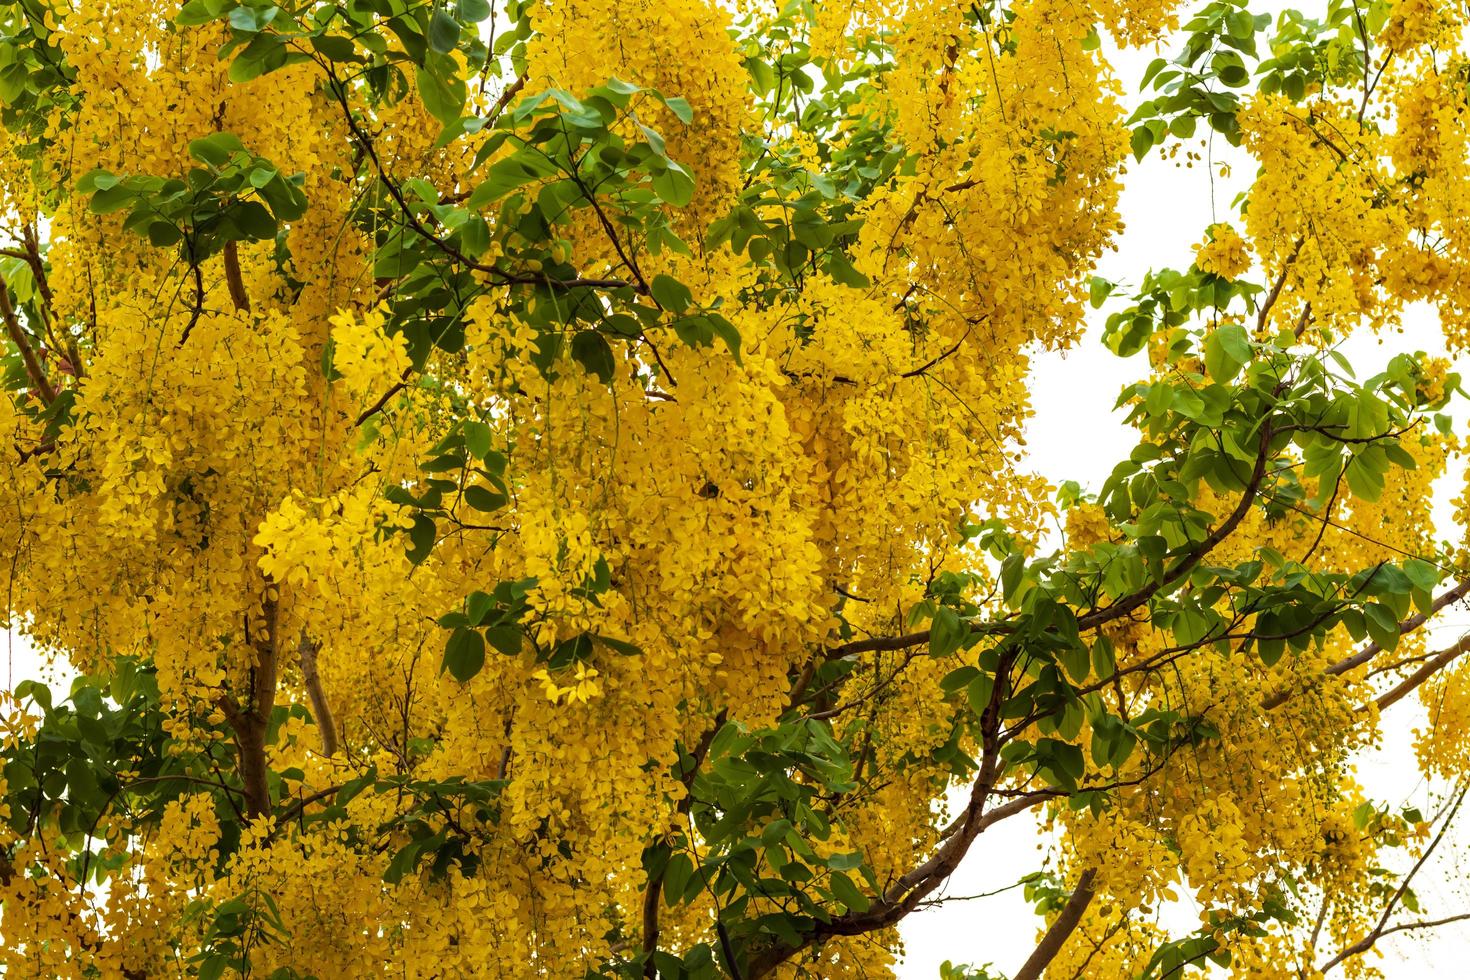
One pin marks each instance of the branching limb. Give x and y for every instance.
(653, 893)
(34, 371)
(1372, 650)
(1431, 667)
(1187, 564)
(1381, 929)
(1278, 285)
(233, 279)
(198, 309)
(910, 890)
(321, 711)
(251, 720)
(1061, 930)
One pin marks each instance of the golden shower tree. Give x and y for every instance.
(535, 488)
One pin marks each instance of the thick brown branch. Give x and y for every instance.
(1278, 285)
(321, 711)
(1061, 930)
(233, 280)
(1128, 603)
(377, 406)
(511, 91)
(251, 721)
(909, 891)
(34, 371)
(1431, 667)
(1372, 650)
(31, 256)
(1407, 626)
(198, 309)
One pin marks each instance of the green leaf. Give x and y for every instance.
(958, 678)
(654, 140)
(848, 893)
(680, 108)
(194, 13)
(979, 692)
(505, 638)
(1142, 141)
(422, 536)
(483, 499)
(674, 185)
(265, 53)
(110, 200)
(443, 31)
(1076, 659)
(477, 606)
(620, 87)
(1364, 479)
(1227, 349)
(1423, 574)
(252, 19)
(334, 47)
(671, 294)
(946, 633)
(474, 11)
(254, 220)
(441, 90)
(590, 349)
(726, 331)
(97, 180)
(676, 878)
(464, 654)
(1103, 663)
(476, 438)
(620, 647)
(162, 234)
(1383, 625)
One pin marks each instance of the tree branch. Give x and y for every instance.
(1372, 650)
(1379, 931)
(339, 92)
(1128, 603)
(233, 280)
(653, 893)
(1279, 284)
(1431, 667)
(251, 721)
(321, 711)
(1061, 930)
(34, 371)
(904, 895)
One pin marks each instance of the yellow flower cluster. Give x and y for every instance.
(1224, 253)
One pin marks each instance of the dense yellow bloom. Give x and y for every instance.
(1224, 253)
(535, 551)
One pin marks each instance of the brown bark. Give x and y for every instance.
(250, 721)
(233, 279)
(1061, 930)
(321, 711)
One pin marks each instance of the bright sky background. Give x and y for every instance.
(1075, 436)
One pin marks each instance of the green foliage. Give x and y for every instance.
(1222, 57)
(232, 196)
